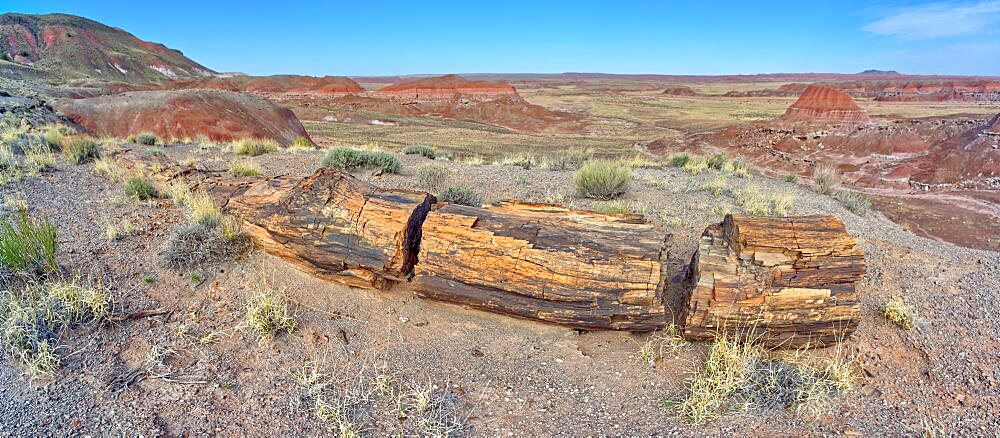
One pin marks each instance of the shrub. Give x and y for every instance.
(194, 245)
(255, 146)
(80, 149)
(147, 139)
(790, 178)
(156, 152)
(432, 175)
(898, 312)
(716, 161)
(602, 180)
(266, 314)
(27, 246)
(245, 169)
(38, 156)
(348, 159)
(420, 149)
(679, 160)
(571, 159)
(383, 161)
(825, 178)
(858, 203)
(461, 196)
(618, 206)
(139, 188)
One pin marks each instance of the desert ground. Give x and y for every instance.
(138, 301)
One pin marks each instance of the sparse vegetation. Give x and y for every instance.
(156, 152)
(266, 314)
(245, 169)
(756, 203)
(571, 159)
(825, 177)
(303, 143)
(432, 175)
(716, 187)
(857, 202)
(80, 149)
(110, 169)
(123, 228)
(460, 195)
(38, 155)
(716, 161)
(54, 136)
(255, 146)
(147, 139)
(602, 180)
(139, 188)
(737, 167)
(679, 160)
(194, 245)
(898, 312)
(348, 159)
(420, 149)
(658, 343)
(695, 166)
(27, 246)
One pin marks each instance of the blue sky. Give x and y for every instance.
(706, 37)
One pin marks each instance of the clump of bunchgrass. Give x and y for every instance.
(460, 195)
(790, 178)
(602, 180)
(80, 149)
(121, 229)
(737, 167)
(679, 159)
(570, 159)
(27, 246)
(245, 169)
(857, 202)
(38, 155)
(728, 367)
(716, 187)
(716, 161)
(658, 343)
(754, 202)
(255, 146)
(54, 136)
(695, 166)
(110, 169)
(203, 210)
(196, 245)
(140, 188)
(898, 312)
(156, 152)
(266, 314)
(825, 177)
(432, 175)
(146, 138)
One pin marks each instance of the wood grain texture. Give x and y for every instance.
(335, 226)
(786, 281)
(546, 262)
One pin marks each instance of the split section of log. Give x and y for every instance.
(787, 282)
(335, 226)
(546, 262)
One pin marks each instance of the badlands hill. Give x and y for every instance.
(447, 87)
(70, 47)
(825, 104)
(219, 115)
(274, 84)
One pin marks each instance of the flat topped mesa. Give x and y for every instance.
(786, 282)
(547, 263)
(447, 87)
(825, 105)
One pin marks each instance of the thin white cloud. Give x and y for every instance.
(939, 20)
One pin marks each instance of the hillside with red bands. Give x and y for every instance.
(273, 84)
(219, 115)
(824, 104)
(446, 87)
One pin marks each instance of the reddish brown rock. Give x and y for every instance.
(274, 84)
(825, 105)
(219, 115)
(679, 90)
(445, 88)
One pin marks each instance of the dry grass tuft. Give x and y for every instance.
(857, 202)
(754, 202)
(123, 228)
(266, 314)
(658, 343)
(898, 312)
(695, 166)
(825, 176)
(255, 146)
(80, 149)
(432, 175)
(110, 169)
(245, 169)
(602, 180)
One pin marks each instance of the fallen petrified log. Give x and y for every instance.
(335, 226)
(787, 282)
(546, 262)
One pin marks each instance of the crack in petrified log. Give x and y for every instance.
(785, 281)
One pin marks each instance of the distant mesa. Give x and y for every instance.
(679, 90)
(874, 72)
(274, 84)
(824, 104)
(219, 115)
(69, 47)
(446, 87)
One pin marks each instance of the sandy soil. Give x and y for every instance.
(494, 374)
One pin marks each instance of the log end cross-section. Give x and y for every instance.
(546, 262)
(787, 282)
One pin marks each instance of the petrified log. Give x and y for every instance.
(335, 226)
(787, 282)
(546, 262)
